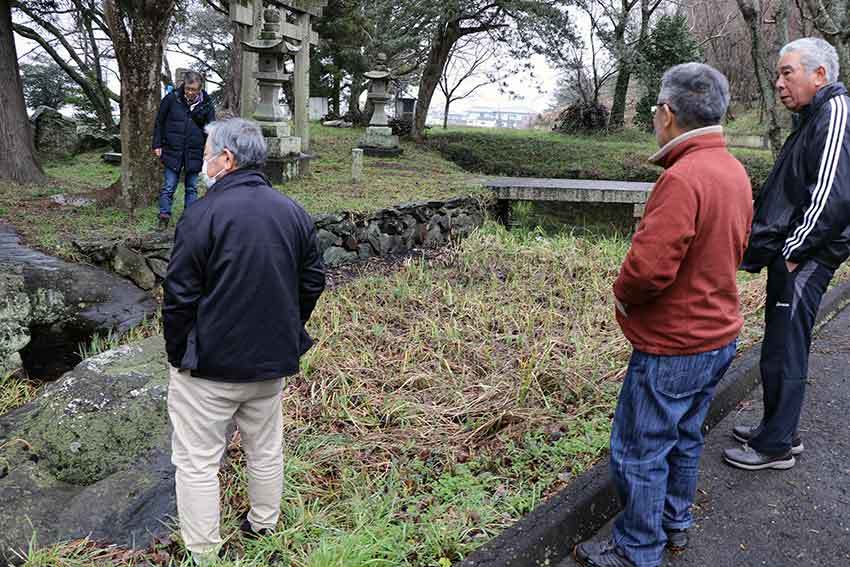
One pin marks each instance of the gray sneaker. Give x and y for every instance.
(747, 458)
(743, 434)
(601, 554)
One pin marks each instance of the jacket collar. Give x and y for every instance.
(241, 178)
(708, 137)
(826, 92)
(181, 94)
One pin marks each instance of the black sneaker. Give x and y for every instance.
(249, 532)
(743, 434)
(163, 223)
(747, 458)
(601, 554)
(677, 540)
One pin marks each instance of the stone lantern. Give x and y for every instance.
(379, 139)
(273, 50)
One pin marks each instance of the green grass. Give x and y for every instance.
(536, 153)
(15, 391)
(419, 174)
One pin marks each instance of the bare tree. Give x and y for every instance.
(17, 160)
(751, 11)
(138, 32)
(75, 35)
(832, 19)
(468, 69)
(508, 21)
(623, 37)
(585, 79)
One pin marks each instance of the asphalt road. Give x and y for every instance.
(798, 517)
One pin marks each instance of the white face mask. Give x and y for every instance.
(210, 181)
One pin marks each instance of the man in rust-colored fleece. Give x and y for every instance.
(677, 303)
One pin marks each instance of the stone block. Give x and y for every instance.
(55, 135)
(283, 147)
(326, 239)
(380, 137)
(132, 265)
(158, 267)
(276, 129)
(364, 251)
(335, 255)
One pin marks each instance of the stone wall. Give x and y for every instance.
(342, 238)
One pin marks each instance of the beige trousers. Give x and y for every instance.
(200, 411)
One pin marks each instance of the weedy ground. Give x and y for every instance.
(442, 402)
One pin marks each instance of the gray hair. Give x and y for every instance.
(243, 138)
(192, 78)
(698, 94)
(815, 52)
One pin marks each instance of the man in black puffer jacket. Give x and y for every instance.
(244, 278)
(178, 140)
(801, 234)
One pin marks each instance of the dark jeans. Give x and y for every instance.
(656, 444)
(789, 317)
(169, 186)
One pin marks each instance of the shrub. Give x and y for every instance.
(401, 127)
(582, 117)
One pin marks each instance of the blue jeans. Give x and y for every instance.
(169, 186)
(656, 444)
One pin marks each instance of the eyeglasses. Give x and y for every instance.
(653, 109)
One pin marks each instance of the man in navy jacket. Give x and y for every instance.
(178, 140)
(244, 278)
(801, 234)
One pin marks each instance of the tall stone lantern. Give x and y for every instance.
(379, 139)
(273, 50)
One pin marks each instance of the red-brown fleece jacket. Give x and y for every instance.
(678, 278)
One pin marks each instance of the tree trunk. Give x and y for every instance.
(17, 158)
(621, 92)
(832, 20)
(233, 83)
(624, 75)
(438, 54)
(335, 93)
(139, 54)
(446, 114)
(354, 96)
(750, 10)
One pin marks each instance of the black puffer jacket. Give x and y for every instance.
(803, 210)
(180, 132)
(244, 277)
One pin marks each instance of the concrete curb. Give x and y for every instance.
(549, 532)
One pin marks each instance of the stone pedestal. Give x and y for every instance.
(380, 141)
(282, 170)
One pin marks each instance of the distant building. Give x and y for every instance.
(404, 107)
(500, 118)
(484, 117)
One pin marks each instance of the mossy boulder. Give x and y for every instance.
(14, 317)
(90, 456)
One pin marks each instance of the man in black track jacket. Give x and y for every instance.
(178, 140)
(801, 234)
(244, 278)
